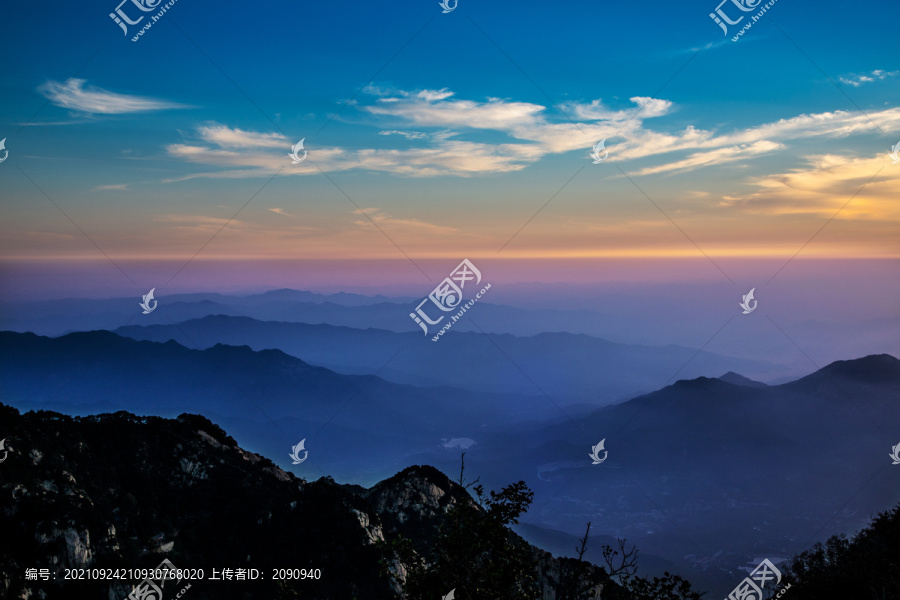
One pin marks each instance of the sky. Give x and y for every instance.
(438, 136)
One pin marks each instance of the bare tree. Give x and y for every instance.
(626, 566)
(581, 548)
(578, 580)
(462, 469)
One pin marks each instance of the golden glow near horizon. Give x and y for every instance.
(825, 205)
(855, 232)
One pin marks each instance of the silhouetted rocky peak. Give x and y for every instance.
(738, 379)
(119, 490)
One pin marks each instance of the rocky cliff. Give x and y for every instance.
(117, 491)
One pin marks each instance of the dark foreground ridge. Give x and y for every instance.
(119, 491)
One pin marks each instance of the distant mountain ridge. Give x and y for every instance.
(269, 395)
(578, 368)
(737, 379)
(719, 472)
(634, 316)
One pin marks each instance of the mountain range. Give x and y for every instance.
(572, 368)
(706, 472)
(273, 398)
(710, 473)
(685, 316)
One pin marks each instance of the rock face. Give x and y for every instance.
(120, 491)
(416, 498)
(78, 548)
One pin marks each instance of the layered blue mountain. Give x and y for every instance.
(707, 473)
(569, 368)
(356, 426)
(712, 474)
(55, 317)
(685, 316)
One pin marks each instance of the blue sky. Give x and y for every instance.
(473, 125)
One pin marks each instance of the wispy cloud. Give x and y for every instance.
(446, 156)
(857, 80)
(630, 137)
(824, 184)
(47, 123)
(393, 223)
(647, 108)
(239, 230)
(410, 135)
(75, 95)
(530, 134)
(200, 223)
(281, 211)
(227, 137)
(111, 186)
(696, 49)
(714, 157)
(432, 110)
